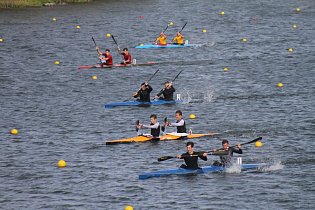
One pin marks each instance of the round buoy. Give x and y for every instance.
(222, 13)
(1, 40)
(294, 26)
(280, 85)
(61, 163)
(298, 9)
(141, 44)
(255, 19)
(204, 31)
(54, 19)
(171, 23)
(141, 16)
(128, 208)
(225, 69)
(57, 62)
(108, 35)
(258, 144)
(94, 77)
(290, 49)
(192, 116)
(244, 40)
(78, 26)
(14, 131)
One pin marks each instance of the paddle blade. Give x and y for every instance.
(258, 139)
(137, 123)
(220, 152)
(165, 158)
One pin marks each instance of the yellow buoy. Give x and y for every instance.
(192, 116)
(14, 131)
(204, 31)
(94, 77)
(61, 163)
(244, 40)
(294, 26)
(1, 40)
(280, 85)
(171, 23)
(57, 62)
(108, 35)
(298, 9)
(225, 69)
(54, 19)
(258, 144)
(128, 208)
(78, 26)
(222, 13)
(141, 44)
(290, 49)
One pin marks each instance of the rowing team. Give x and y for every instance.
(191, 157)
(162, 39)
(108, 59)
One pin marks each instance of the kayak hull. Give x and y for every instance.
(182, 171)
(115, 65)
(167, 46)
(138, 103)
(168, 136)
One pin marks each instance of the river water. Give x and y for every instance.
(59, 109)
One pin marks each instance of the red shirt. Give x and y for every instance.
(110, 59)
(127, 57)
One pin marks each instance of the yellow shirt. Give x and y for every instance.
(162, 40)
(179, 39)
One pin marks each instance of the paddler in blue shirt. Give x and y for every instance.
(180, 123)
(226, 160)
(167, 92)
(191, 157)
(154, 126)
(144, 92)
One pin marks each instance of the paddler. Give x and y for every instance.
(179, 38)
(191, 157)
(154, 126)
(107, 59)
(126, 54)
(226, 160)
(180, 123)
(144, 92)
(167, 92)
(161, 39)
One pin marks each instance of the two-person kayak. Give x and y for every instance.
(139, 103)
(168, 136)
(115, 65)
(182, 171)
(167, 46)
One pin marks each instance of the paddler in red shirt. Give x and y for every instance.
(161, 39)
(108, 59)
(127, 56)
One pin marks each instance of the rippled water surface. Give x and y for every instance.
(59, 109)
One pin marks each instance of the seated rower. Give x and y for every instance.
(161, 39)
(126, 54)
(226, 160)
(143, 93)
(191, 157)
(180, 123)
(107, 59)
(179, 38)
(167, 92)
(154, 126)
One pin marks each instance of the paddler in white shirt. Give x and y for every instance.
(154, 126)
(180, 123)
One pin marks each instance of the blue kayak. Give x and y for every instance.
(182, 171)
(138, 103)
(167, 45)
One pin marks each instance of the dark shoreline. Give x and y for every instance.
(36, 3)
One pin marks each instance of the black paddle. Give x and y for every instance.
(96, 49)
(166, 28)
(252, 141)
(148, 80)
(118, 47)
(137, 123)
(183, 27)
(220, 153)
(163, 127)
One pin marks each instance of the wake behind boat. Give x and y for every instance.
(168, 136)
(167, 46)
(182, 171)
(116, 65)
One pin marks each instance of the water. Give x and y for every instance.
(59, 110)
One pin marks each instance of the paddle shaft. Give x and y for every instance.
(118, 47)
(252, 141)
(149, 79)
(183, 27)
(96, 46)
(166, 28)
(220, 153)
(177, 75)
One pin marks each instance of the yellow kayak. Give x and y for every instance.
(168, 136)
